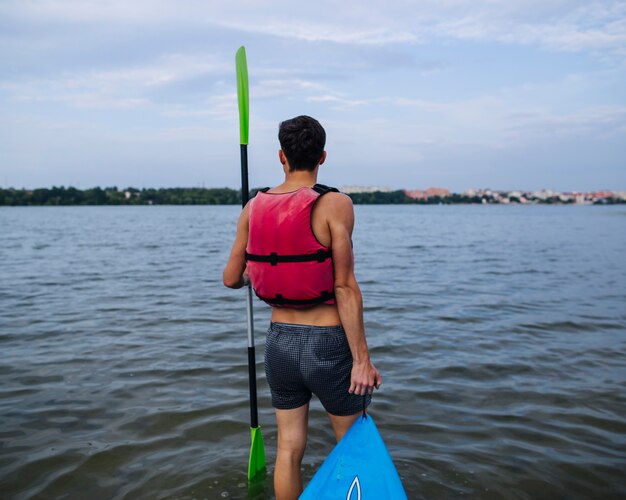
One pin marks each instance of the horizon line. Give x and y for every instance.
(347, 189)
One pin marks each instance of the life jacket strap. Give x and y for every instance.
(323, 189)
(274, 259)
(279, 300)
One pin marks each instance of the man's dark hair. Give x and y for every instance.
(302, 139)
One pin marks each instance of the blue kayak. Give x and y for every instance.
(358, 468)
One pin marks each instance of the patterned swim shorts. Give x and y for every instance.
(301, 360)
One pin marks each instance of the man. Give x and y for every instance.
(294, 242)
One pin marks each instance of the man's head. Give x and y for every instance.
(302, 141)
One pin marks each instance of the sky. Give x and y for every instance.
(447, 93)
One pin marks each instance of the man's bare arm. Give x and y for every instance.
(235, 267)
(348, 294)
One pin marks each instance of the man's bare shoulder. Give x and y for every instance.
(336, 208)
(337, 201)
(245, 212)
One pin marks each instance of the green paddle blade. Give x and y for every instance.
(242, 93)
(257, 453)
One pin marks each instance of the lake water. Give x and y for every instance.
(500, 333)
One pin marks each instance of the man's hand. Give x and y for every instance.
(364, 378)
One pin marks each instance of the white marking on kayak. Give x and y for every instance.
(355, 484)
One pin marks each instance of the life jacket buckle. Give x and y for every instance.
(274, 259)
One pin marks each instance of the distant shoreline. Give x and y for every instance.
(62, 196)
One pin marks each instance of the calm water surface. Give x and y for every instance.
(500, 332)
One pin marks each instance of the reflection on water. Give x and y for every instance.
(500, 332)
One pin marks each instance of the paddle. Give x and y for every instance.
(256, 462)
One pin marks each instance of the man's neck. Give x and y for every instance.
(300, 178)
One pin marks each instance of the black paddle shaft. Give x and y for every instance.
(245, 190)
(245, 196)
(254, 414)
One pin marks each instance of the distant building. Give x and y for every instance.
(427, 193)
(544, 194)
(601, 194)
(503, 196)
(415, 194)
(434, 191)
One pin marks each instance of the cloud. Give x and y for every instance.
(282, 87)
(568, 32)
(566, 25)
(339, 102)
(325, 32)
(122, 87)
(494, 122)
(599, 121)
(90, 10)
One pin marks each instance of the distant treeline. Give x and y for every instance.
(176, 196)
(216, 196)
(163, 196)
(113, 196)
(400, 197)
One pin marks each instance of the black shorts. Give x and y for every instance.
(301, 360)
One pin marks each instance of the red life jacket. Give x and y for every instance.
(286, 264)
